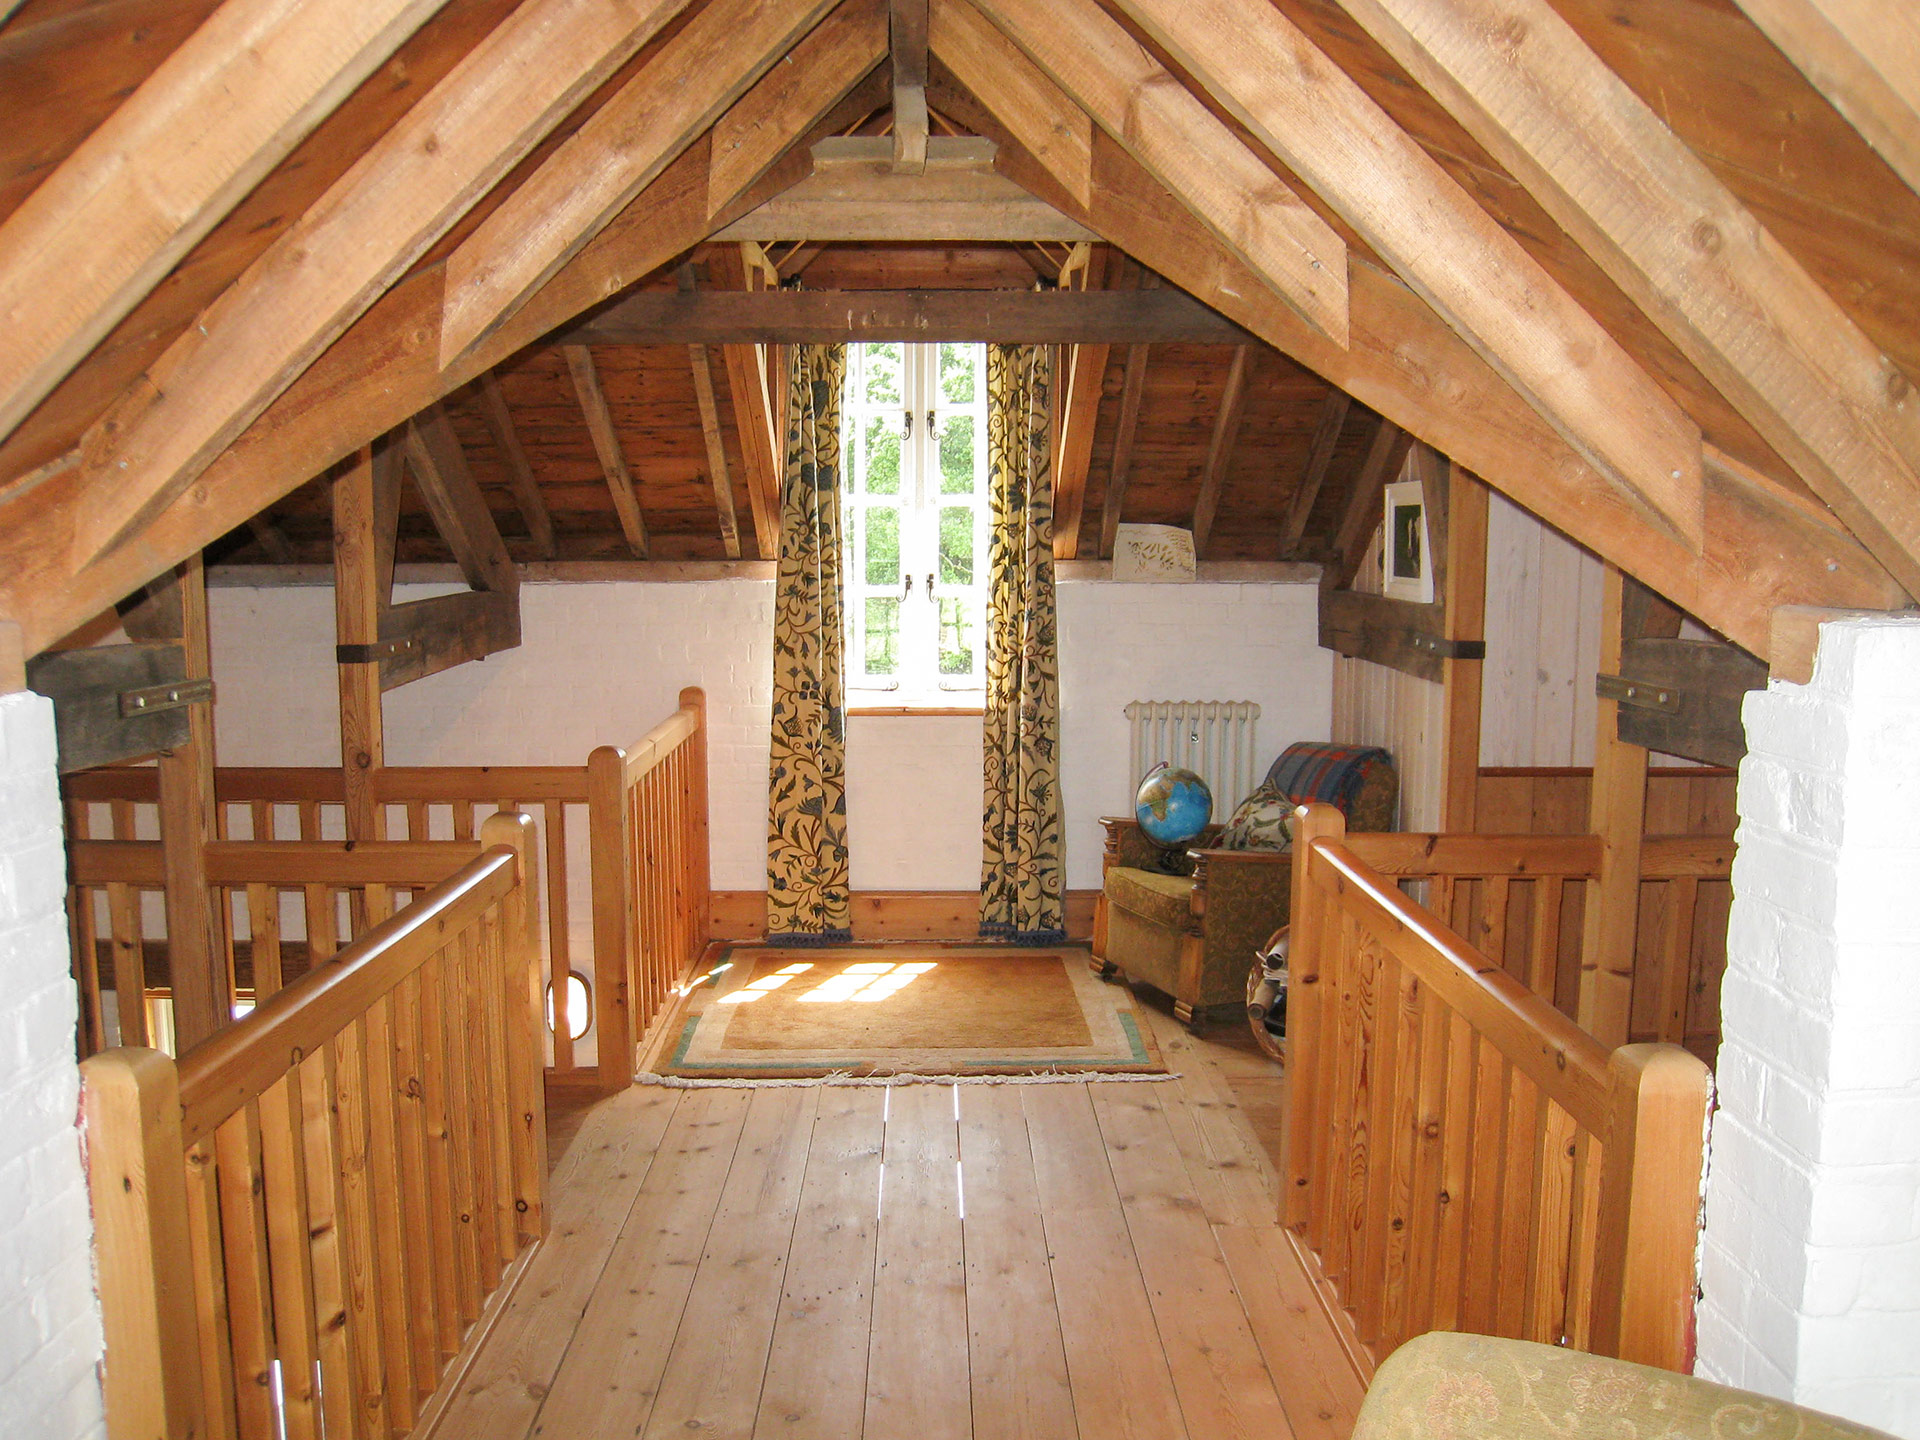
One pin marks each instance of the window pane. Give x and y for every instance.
(883, 455)
(882, 545)
(957, 631)
(956, 455)
(958, 364)
(883, 373)
(956, 545)
(883, 636)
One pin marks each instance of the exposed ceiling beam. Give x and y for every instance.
(506, 439)
(1385, 455)
(606, 444)
(271, 539)
(1132, 96)
(801, 317)
(794, 95)
(617, 153)
(156, 175)
(717, 472)
(1059, 135)
(907, 33)
(855, 193)
(352, 244)
(1132, 390)
(1076, 400)
(446, 486)
(753, 408)
(1326, 436)
(382, 371)
(1766, 546)
(1437, 238)
(1865, 58)
(1697, 261)
(1226, 430)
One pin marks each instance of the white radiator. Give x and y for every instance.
(1216, 739)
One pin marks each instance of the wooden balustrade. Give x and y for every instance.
(1460, 1155)
(296, 1226)
(1518, 900)
(651, 894)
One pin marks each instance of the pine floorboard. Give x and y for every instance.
(1058, 1262)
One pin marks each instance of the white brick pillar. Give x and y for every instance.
(1810, 1265)
(50, 1340)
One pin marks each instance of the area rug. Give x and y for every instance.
(907, 1010)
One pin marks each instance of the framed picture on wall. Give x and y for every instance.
(1406, 562)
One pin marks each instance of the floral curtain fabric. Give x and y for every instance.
(1021, 894)
(809, 896)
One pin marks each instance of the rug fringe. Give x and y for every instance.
(841, 1078)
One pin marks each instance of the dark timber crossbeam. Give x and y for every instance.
(801, 317)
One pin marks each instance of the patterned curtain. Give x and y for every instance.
(809, 897)
(1021, 895)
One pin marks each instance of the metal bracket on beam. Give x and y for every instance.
(155, 699)
(374, 653)
(1638, 693)
(1449, 649)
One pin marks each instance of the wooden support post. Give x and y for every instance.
(196, 930)
(1617, 814)
(143, 1259)
(13, 658)
(1465, 578)
(361, 497)
(1649, 1218)
(612, 917)
(907, 34)
(1307, 1017)
(606, 444)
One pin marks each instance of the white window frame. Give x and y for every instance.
(919, 417)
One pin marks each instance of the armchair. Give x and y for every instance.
(1190, 923)
(1443, 1386)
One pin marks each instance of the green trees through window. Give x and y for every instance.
(915, 501)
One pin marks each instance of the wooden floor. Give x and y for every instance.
(918, 1263)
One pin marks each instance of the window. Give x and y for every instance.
(915, 514)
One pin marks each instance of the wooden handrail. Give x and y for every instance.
(1460, 1155)
(394, 784)
(296, 1225)
(401, 863)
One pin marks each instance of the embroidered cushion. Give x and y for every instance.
(1260, 823)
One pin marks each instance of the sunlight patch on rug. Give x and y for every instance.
(907, 1009)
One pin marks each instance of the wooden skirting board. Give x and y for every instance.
(891, 914)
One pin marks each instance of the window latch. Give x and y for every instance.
(930, 422)
(909, 590)
(929, 584)
(909, 415)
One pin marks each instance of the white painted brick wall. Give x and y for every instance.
(599, 663)
(50, 1340)
(1810, 1261)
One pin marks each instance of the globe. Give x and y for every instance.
(1172, 805)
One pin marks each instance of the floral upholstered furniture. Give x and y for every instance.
(1472, 1387)
(1189, 922)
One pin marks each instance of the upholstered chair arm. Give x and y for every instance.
(1129, 845)
(1240, 897)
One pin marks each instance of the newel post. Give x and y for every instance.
(612, 874)
(1306, 957)
(136, 1171)
(699, 859)
(1649, 1224)
(525, 1011)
